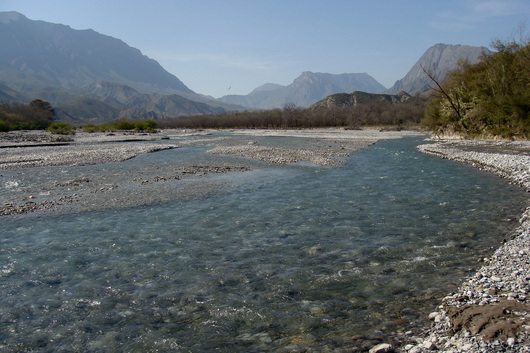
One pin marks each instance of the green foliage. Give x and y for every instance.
(487, 99)
(3, 126)
(36, 115)
(61, 129)
(90, 128)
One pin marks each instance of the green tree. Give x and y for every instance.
(487, 99)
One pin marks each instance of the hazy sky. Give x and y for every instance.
(214, 45)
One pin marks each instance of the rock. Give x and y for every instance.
(382, 348)
(433, 315)
(429, 345)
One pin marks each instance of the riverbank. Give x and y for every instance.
(490, 312)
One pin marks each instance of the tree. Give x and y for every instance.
(487, 99)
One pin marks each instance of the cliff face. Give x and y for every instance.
(438, 60)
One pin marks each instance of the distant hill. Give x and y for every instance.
(88, 76)
(438, 60)
(341, 100)
(305, 90)
(103, 101)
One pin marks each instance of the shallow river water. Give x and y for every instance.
(293, 258)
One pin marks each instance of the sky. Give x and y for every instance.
(221, 47)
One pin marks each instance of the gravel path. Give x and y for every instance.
(490, 311)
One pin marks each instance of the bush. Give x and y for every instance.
(61, 129)
(90, 128)
(487, 99)
(3, 126)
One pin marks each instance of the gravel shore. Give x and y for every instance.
(34, 151)
(490, 310)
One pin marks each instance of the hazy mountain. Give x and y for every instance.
(438, 60)
(340, 100)
(268, 87)
(88, 76)
(305, 90)
(37, 52)
(9, 94)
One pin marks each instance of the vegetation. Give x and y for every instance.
(398, 115)
(148, 125)
(487, 99)
(37, 115)
(61, 129)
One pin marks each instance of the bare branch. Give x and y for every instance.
(445, 94)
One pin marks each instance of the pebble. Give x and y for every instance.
(382, 348)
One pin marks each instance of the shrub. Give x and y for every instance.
(3, 126)
(490, 98)
(61, 129)
(90, 128)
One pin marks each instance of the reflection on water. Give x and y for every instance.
(296, 258)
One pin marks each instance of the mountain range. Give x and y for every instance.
(305, 90)
(91, 77)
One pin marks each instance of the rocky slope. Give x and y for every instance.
(438, 60)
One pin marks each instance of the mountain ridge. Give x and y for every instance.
(87, 75)
(438, 60)
(305, 90)
(55, 54)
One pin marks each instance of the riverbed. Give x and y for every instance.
(303, 241)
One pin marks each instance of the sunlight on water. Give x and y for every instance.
(297, 257)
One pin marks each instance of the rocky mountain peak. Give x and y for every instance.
(438, 60)
(12, 16)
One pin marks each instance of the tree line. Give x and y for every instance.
(37, 115)
(398, 115)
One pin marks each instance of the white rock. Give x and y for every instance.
(382, 348)
(429, 345)
(433, 315)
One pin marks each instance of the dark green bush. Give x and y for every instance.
(3, 126)
(61, 129)
(90, 128)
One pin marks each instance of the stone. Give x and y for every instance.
(382, 348)
(433, 315)
(429, 345)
